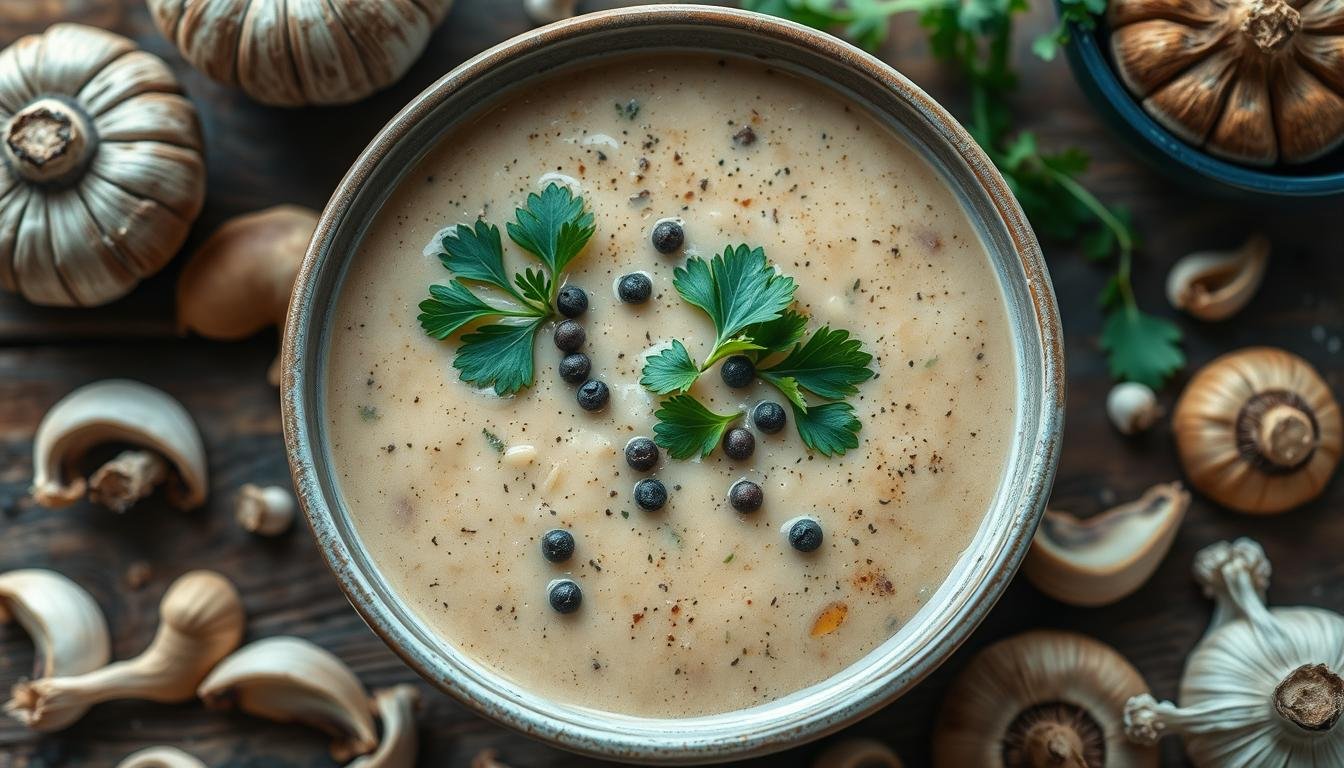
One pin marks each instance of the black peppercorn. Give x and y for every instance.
(739, 443)
(574, 367)
(557, 545)
(768, 416)
(746, 496)
(565, 596)
(668, 236)
(737, 371)
(650, 494)
(641, 454)
(569, 336)
(805, 535)
(571, 301)
(635, 288)
(593, 395)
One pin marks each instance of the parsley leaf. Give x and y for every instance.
(780, 333)
(830, 365)
(736, 289)
(553, 226)
(829, 428)
(671, 370)
(1141, 347)
(686, 428)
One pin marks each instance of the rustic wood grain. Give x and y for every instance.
(258, 156)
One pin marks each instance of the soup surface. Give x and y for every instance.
(696, 608)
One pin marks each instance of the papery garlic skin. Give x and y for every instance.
(66, 625)
(1262, 688)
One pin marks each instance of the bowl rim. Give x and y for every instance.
(691, 740)
(1087, 53)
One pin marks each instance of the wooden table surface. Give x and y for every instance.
(259, 156)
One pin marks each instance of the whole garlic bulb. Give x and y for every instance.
(1263, 685)
(295, 52)
(100, 166)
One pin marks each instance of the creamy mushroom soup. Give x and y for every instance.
(696, 607)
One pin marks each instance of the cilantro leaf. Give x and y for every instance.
(779, 334)
(1141, 347)
(449, 307)
(671, 370)
(736, 289)
(499, 356)
(686, 428)
(830, 365)
(553, 226)
(829, 429)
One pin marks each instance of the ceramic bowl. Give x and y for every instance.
(950, 614)
(1184, 163)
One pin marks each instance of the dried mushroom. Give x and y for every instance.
(1106, 557)
(1255, 81)
(1258, 431)
(101, 173)
(1042, 699)
(1263, 687)
(295, 53)
(125, 412)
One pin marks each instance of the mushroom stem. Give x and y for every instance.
(49, 140)
(126, 479)
(1311, 697)
(1270, 24)
(1054, 745)
(1286, 435)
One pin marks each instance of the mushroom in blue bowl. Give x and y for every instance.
(1239, 98)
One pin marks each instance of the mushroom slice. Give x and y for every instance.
(200, 622)
(857, 753)
(396, 709)
(66, 625)
(119, 411)
(1042, 698)
(160, 757)
(288, 679)
(1214, 285)
(1104, 558)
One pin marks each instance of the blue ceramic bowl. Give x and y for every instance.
(1090, 60)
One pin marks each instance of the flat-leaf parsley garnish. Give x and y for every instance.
(748, 302)
(553, 227)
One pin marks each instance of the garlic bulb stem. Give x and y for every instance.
(1286, 435)
(49, 141)
(1312, 698)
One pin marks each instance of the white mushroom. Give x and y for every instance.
(1215, 285)
(857, 753)
(1106, 557)
(160, 757)
(397, 748)
(200, 622)
(119, 411)
(266, 511)
(548, 11)
(66, 625)
(288, 679)
(1132, 407)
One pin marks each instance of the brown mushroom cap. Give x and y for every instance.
(1258, 431)
(1255, 81)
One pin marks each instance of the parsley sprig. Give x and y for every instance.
(976, 37)
(553, 227)
(748, 302)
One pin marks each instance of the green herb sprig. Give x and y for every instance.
(553, 227)
(748, 302)
(976, 37)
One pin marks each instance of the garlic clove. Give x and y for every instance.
(1105, 558)
(120, 411)
(200, 621)
(397, 748)
(1132, 407)
(65, 623)
(1311, 117)
(1214, 285)
(549, 11)
(857, 753)
(265, 511)
(288, 679)
(160, 757)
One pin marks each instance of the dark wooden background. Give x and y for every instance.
(260, 156)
